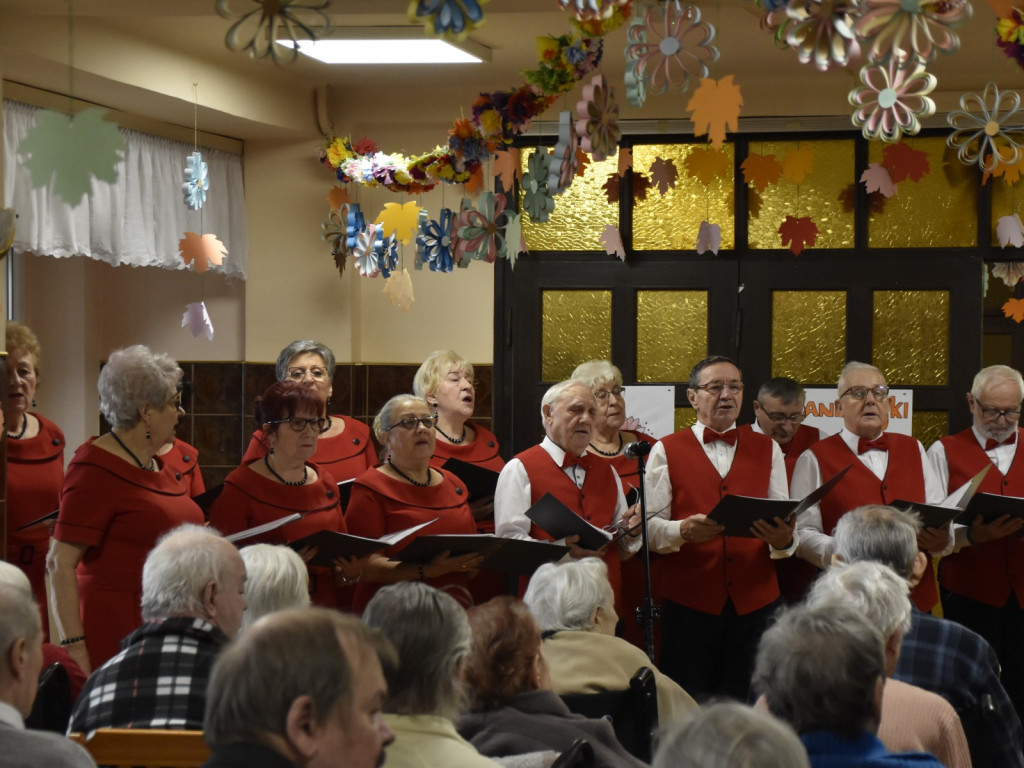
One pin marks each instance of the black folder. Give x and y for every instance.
(480, 481)
(516, 556)
(40, 520)
(940, 515)
(332, 544)
(558, 521)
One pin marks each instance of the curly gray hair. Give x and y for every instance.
(133, 377)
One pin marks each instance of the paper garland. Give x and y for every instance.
(451, 19)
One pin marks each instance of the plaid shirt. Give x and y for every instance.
(948, 659)
(157, 681)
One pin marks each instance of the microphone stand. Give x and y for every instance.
(646, 612)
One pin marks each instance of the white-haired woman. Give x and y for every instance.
(426, 692)
(575, 607)
(275, 579)
(405, 491)
(118, 498)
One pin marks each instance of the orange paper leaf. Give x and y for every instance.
(707, 164)
(625, 160)
(399, 220)
(475, 182)
(1014, 308)
(583, 160)
(715, 108)
(798, 163)
(508, 166)
(337, 197)
(1010, 172)
(904, 162)
(201, 250)
(798, 233)
(761, 170)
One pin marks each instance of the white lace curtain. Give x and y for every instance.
(139, 219)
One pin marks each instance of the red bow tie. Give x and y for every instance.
(569, 460)
(991, 444)
(711, 436)
(864, 445)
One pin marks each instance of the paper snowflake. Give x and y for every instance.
(196, 181)
(258, 30)
(671, 46)
(893, 98)
(537, 199)
(435, 242)
(917, 28)
(981, 129)
(821, 31)
(480, 229)
(453, 19)
(598, 124)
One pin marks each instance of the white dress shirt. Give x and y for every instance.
(10, 716)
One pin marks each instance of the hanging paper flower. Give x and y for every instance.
(585, 10)
(918, 28)
(1010, 272)
(332, 231)
(537, 198)
(670, 47)
(453, 19)
(598, 124)
(258, 30)
(196, 184)
(436, 242)
(822, 31)
(480, 231)
(354, 224)
(385, 251)
(366, 249)
(636, 87)
(980, 128)
(515, 243)
(564, 160)
(1010, 35)
(892, 99)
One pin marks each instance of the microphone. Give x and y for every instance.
(636, 450)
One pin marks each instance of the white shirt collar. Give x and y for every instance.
(853, 440)
(756, 426)
(10, 716)
(556, 453)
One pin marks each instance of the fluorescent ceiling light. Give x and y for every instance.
(385, 51)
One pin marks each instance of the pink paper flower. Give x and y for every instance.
(822, 31)
(669, 47)
(598, 124)
(892, 99)
(920, 28)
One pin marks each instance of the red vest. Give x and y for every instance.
(904, 480)
(595, 502)
(803, 438)
(987, 572)
(704, 576)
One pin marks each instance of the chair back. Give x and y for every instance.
(52, 708)
(633, 712)
(146, 748)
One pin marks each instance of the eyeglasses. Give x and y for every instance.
(861, 393)
(318, 424)
(781, 418)
(411, 422)
(299, 374)
(604, 394)
(994, 413)
(716, 387)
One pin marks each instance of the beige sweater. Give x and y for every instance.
(916, 719)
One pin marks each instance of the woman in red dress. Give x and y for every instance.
(284, 481)
(35, 463)
(118, 498)
(405, 491)
(184, 459)
(344, 448)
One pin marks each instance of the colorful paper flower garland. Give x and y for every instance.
(452, 19)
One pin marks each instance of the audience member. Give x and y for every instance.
(425, 687)
(302, 688)
(275, 579)
(822, 670)
(193, 596)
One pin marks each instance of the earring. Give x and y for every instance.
(147, 434)
(34, 403)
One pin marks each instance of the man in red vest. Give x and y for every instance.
(983, 582)
(884, 467)
(778, 411)
(717, 591)
(561, 466)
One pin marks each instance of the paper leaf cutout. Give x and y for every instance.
(625, 160)
(761, 170)
(398, 289)
(904, 162)
(1014, 308)
(754, 202)
(1009, 231)
(69, 150)
(197, 320)
(583, 160)
(709, 238)
(664, 174)
(611, 239)
(515, 243)
(196, 181)
(508, 166)
(848, 198)
(611, 189)
(337, 197)
(707, 164)
(640, 184)
(399, 220)
(715, 108)
(798, 163)
(1010, 272)
(201, 250)
(877, 179)
(798, 233)
(1010, 172)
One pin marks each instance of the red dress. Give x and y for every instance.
(118, 511)
(482, 451)
(35, 471)
(345, 455)
(249, 499)
(184, 459)
(380, 505)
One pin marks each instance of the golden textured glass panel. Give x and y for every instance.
(929, 426)
(684, 418)
(948, 193)
(910, 337)
(671, 333)
(671, 221)
(808, 335)
(819, 196)
(996, 349)
(576, 326)
(581, 212)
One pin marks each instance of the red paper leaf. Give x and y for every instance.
(1014, 308)
(625, 160)
(640, 185)
(848, 197)
(582, 160)
(798, 233)
(761, 170)
(663, 174)
(904, 162)
(611, 188)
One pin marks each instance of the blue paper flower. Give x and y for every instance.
(436, 242)
(386, 251)
(356, 223)
(196, 182)
(448, 18)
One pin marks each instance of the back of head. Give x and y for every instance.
(276, 579)
(432, 636)
(503, 660)
(730, 735)
(132, 377)
(875, 590)
(564, 596)
(178, 569)
(819, 669)
(285, 655)
(878, 534)
(783, 388)
(13, 576)
(20, 619)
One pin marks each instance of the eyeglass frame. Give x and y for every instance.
(412, 422)
(782, 418)
(851, 391)
(1009, 415)
(299, 374)
(716, 389)
(617, 390)
(319, 424)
